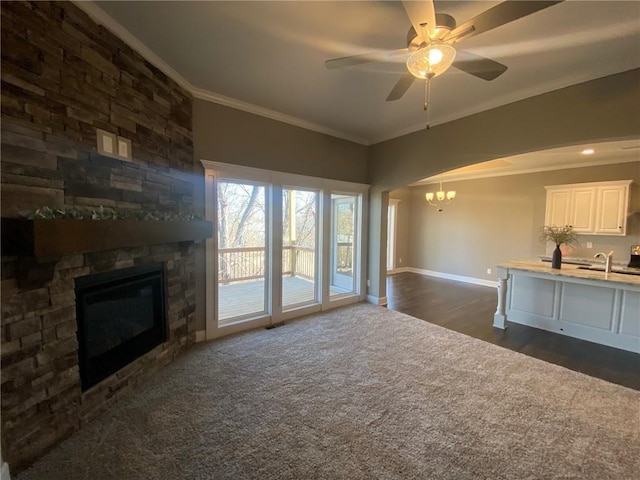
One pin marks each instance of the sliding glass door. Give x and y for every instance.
(242, 251)
(285, 245)
(299, 244)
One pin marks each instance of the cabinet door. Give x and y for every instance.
(612, 212)
(582, 211)
(558, 203)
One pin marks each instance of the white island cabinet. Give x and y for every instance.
(592, 305)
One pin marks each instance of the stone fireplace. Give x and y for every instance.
(63, 77)
(45, 397)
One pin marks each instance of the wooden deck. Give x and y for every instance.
(244, 298)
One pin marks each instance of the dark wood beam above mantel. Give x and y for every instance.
(40, 243)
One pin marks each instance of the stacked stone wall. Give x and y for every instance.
(64, 76)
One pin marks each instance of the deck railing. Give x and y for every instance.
(247, 263)
(344, 258)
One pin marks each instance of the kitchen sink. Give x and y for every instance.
(621, 270)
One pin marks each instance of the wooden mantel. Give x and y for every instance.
(40, 243)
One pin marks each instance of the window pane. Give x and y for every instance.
(241, 251)
(343, 229)
(299, 219)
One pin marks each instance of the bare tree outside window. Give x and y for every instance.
(241, 231)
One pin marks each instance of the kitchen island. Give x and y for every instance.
(574, 300)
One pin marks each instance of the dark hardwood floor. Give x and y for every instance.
(469, 309)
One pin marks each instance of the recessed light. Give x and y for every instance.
(588, 151)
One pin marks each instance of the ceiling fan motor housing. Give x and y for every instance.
(444, 24)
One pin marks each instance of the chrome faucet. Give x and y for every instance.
(608, 260)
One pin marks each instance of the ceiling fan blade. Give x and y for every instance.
(401, 87)
(353, 60)
(421, 12)
(349, 61)
(478, 66)
(501, 14)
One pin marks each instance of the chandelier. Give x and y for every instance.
(440, 198)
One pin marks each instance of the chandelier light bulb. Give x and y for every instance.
(429, 196)
(451, 195)
(440, 195)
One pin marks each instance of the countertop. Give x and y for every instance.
(574, 271)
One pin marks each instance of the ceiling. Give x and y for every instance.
(268, 57)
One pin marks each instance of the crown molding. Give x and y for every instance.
(103, 18)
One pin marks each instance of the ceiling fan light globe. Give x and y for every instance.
(432, 60)
(435, 56)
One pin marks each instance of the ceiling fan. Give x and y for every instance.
(430, 41)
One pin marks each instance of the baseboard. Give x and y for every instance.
(201, 336)
(458, 278)
(398, 270)
(376, 300)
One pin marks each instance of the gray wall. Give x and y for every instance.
(498, 219)
(227, 135)
(600, 110)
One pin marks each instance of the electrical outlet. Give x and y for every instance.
(589, 245)
(488, 271)
(368, 283)
(400, 260)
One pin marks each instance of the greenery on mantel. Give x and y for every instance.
(559, 235)
(102, 213)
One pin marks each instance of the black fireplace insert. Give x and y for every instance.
(121, 316)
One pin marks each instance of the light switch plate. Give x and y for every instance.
(112, 145)
(106, 143)
(124, 148)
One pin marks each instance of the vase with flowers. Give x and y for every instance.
(559, 236)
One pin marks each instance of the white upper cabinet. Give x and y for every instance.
(582, 212)
(598, 208)
(558, 203)
(611, 217)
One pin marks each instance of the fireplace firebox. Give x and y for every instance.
(121, 316)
